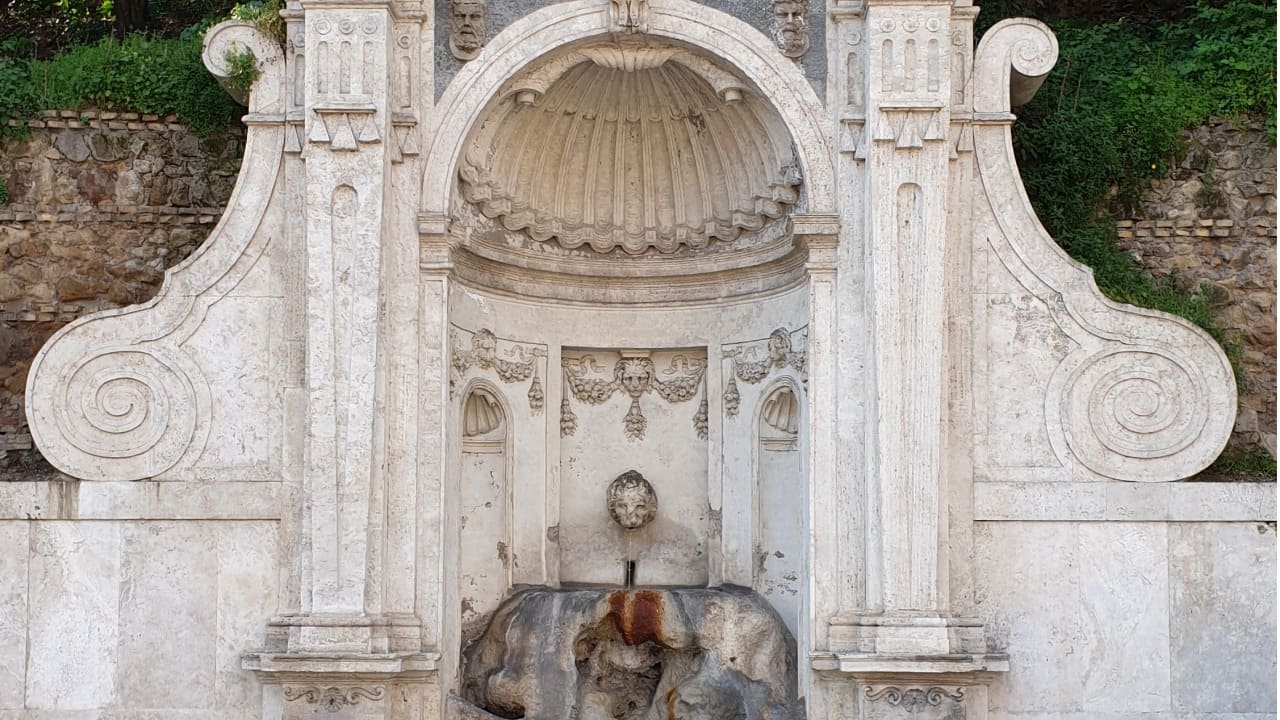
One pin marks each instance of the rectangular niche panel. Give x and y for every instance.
(642, 410)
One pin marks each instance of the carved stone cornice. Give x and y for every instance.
(337, 681)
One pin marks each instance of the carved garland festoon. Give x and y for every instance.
(756, 360)
(635, 375)
(480, 350)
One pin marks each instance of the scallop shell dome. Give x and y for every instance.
(631, 150)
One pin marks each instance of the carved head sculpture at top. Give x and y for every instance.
(790, 27)
(469, 25)
(633, 503)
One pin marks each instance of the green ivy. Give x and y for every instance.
(265, 14)
(17, 97)
(138, 74)
(1236, 464)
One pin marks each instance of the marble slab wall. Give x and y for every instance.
(1128, 619)
(142, 619)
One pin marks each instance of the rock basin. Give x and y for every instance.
(633, 654)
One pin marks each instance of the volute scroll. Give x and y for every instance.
(1145, 396)
(122, 394)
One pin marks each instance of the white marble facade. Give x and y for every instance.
(445, 309)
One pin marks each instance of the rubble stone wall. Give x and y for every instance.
(1213, 219)
(99, 205)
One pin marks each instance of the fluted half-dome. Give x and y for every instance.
(634, 150)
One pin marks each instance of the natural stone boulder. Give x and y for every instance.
(709, 654)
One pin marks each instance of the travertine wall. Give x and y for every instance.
(1113, 620)
(146, 616)
(1214, 219)
(99, 205)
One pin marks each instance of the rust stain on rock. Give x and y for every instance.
(637, 616)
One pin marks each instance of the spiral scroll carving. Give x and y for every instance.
(1133, 414)
(135, 410)
(1012, 60)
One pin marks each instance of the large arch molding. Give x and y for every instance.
(690, 23)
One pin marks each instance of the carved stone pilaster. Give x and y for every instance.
(345, 203)
(908, 89)
(896, 85)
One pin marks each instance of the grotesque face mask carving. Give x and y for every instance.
(467, 37)
(790, 28)
(635, 376)
(484, 347)
(632, 500)
(779, 347)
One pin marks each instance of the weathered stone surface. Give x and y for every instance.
(15, 539)
(165, 566)
(1103, 619)
(1223, 610)
(634, 654)
(74, 623)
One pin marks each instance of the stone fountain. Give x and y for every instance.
(636, 654)
(479, 264)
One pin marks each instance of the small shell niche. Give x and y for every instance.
(631, 147)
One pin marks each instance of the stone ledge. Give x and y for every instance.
(1124, 502)
(142, 500)
(293, 666)
(909, 664)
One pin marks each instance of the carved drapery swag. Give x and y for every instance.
(636, 376)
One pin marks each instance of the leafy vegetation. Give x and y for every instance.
(49, 27)
(17, 98)
(242, 68)
(1106, 122)
(61, 54)
(139, 74)
(265, 14)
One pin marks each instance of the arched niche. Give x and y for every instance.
(484, 503)
(681, 22)
(628, 171)
(779, 533)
